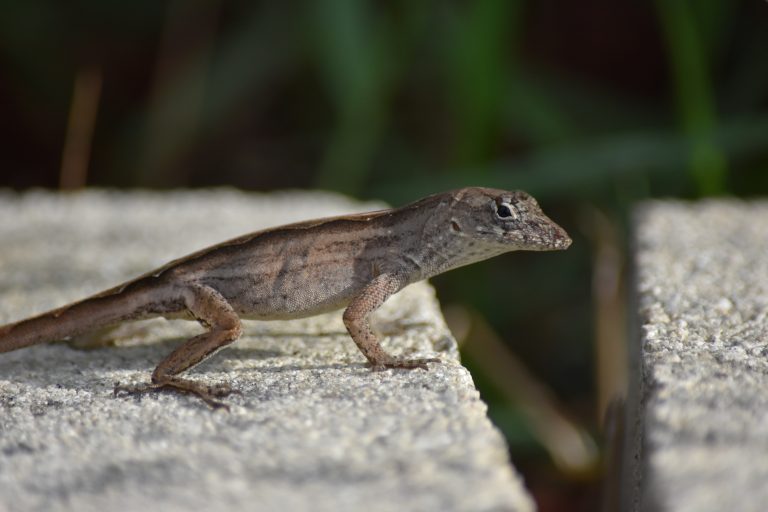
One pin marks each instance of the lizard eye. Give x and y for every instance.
(503, 210)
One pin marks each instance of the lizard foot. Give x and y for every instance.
(208, 394)
(408, 364)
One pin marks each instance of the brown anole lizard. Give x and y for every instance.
(353, 261)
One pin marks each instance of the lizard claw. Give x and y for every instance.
(222, 389)
(208, 394)
(406, 364)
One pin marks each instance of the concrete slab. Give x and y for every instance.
(698, 401)
(314, 428)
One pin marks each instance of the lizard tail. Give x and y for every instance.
(102, 310)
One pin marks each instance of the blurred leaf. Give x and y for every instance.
(240, 67)
(694, 93)
(585, 168)
(746, 85)
(713, 21)
(248, 59)
(174, 113)
(485, 46)
(354, 52)
(531, 113)
(574, 107)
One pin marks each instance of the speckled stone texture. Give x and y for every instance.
(698, 404)
(313, 430)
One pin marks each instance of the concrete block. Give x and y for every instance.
(698, 402)
(313, 430)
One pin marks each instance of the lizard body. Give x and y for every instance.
(354, 262)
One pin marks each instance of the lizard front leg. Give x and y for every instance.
(356, 320)
(212, 310)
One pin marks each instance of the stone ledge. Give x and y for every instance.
(698, 402)
(314, 429)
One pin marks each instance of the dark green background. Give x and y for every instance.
(590, 106)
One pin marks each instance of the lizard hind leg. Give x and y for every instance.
(212, 310)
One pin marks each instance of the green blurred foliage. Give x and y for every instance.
(370, 97)
(593, 104)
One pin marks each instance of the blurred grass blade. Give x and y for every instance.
(708, 164)
(570, 446)
(182, 71)
(244, 61)
(590, 165)
(609, 305)
(81, 124)
(485, 45)
(353, 46)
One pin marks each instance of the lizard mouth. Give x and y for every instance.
(555, 239)
(560, 240)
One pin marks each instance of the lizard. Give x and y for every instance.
(352, 262)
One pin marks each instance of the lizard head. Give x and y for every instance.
(505, 220)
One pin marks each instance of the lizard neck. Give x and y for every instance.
(431, 238)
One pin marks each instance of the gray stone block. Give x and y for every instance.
(314, 428)
(698, 402)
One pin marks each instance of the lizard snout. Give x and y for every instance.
(560, 239)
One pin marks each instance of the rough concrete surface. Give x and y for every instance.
(314, 428)
(699, 402)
